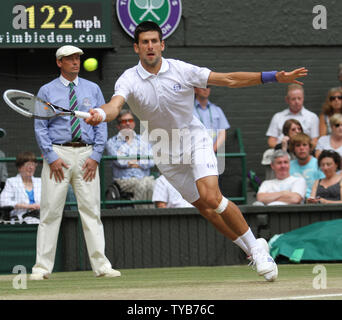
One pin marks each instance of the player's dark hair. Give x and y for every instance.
(146, 26)
(23, 157)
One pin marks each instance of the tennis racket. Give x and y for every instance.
(31, 106)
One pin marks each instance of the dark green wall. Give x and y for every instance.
(222, 35)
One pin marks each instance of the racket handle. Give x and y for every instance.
(82, 114)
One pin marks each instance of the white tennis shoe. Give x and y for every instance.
(263, 262)
(272, 275)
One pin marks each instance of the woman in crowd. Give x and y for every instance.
(22, 192)
(331, 106)
(290, 128)
(332, 141)
(329, 189)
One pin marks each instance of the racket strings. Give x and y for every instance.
(31, 105)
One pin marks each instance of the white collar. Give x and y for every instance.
(299, 113)
(145, 74)
(66, 82)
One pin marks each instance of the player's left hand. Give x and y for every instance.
(89, 167)
(290, 77)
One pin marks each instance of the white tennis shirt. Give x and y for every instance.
(165, 100)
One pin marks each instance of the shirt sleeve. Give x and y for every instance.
(224, 124)
(113, 147)
(160, 191)
(122, 87)
(264, 187)
(314, 127)
(7, 196)
(100, 131)
(42, 133)
(194, 76)
(299, 186)
(272, 130)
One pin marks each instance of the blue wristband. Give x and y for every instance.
(268, 76)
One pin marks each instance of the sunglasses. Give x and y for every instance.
(337, 125)
(332, 98)
(127, 120)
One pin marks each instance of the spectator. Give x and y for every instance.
(22, 192)
(166, 196)
(72, 150)
(332, 141)
(211, 116)
(131, 175)
(305, 165)
(328, 189)
(284, 189)
(331, 105)
(290, 128)
(3, 166)
(296, 110)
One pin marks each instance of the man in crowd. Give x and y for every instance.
(305, 165)
(284, 189)
(296, 110)
(132, 175)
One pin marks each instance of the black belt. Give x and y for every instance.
(73, 144)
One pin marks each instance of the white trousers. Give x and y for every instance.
(52, 205)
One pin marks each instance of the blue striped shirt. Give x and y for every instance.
(117, 146)
(58, 130)
(212, 118)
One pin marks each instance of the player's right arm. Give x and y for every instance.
(111, 109)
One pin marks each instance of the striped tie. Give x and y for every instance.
(75, 122)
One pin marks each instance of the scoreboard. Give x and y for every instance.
(49, 24)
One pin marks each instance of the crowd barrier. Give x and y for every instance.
(146, 238)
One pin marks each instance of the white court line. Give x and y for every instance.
(307, 297)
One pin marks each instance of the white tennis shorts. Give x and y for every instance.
(199, 161)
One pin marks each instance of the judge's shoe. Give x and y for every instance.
(38, 276)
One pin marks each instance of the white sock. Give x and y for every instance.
(249, 239)
(239, 242)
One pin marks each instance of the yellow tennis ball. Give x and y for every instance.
(90, 64)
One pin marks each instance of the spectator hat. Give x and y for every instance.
(267, 157)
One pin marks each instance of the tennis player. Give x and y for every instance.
(161, 93)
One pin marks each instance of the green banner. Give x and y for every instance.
(45, 24)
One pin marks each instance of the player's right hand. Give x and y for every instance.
(95, 118)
